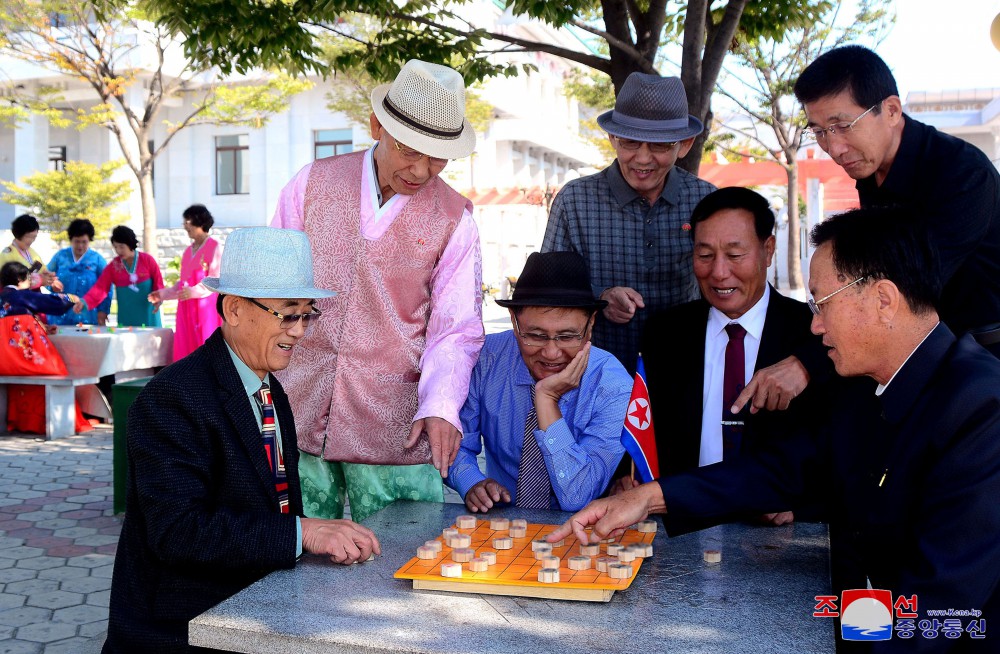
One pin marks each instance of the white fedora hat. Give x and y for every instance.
(424, 108)
(267, 262)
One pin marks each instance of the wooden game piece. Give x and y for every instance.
(503, 543)
(540, 544)
(465, 522)
(451, 569)
(615, 548)
(548, 575)
(462, 540)
(462, 554)
(519, 522)
(626, 555)
(579, 563)
(448, 532)
(434, 545)
(590, 550)
(558, 543)
(550, 561)
(518, 532)
(712, 556)
(489, 557)
(603, 563)
(499, 524)
(647, 549)
(647, 526)
(478, 564)
(542, 553)
(424, 552)
(607, 540)
(371, 557)
(620, 570)
(638, 549)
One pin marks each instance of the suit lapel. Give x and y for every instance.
(691, 390)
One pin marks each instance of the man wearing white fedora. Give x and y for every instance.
(213, 489)
(378, 386)
(631, 220)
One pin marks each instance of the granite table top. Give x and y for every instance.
(760, 598)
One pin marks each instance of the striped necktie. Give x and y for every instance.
(272, 445)
(533, 485)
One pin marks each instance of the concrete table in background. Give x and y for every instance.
(759, 599)
(125, 352)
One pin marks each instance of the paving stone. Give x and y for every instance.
(26, 494)
(70, 551)
(63, 573)
(96, 540)
(29, 532)
(80, 614)
(6, 541)
(58, 523)
(7, 563)
(11, 601)
(104, 571)
(100, 598)
(111, 548)
(25, 615)
(85, 584)
(74, 645)
(35, 516)
(20, 647)
(31, 586)
(13, 488)
(41, 501)
(46, 633)
(94, 629)
(48, 542)
(90, 560)
(74, 532)
(42, 562)
(74, 512)
(57, 599)
(87, 499)
(21, 552)
(48, 486)
(6, 632)
(6, 501)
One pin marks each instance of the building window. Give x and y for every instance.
(232, 174)
(328, 142)
(57, 157)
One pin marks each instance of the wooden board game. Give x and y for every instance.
(516, 570)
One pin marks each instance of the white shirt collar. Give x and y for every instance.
(752, 320)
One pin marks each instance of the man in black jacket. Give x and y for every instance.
(912, 455)
(213, 494)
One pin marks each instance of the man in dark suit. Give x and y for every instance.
(214, 502)
(732, 230)
(912, 464)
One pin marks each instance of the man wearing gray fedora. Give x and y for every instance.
(547, 407)
(377, 387)
(213, 487)
(630, 221)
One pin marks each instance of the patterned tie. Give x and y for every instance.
(272, 446)
(732, 385)
(533, 484)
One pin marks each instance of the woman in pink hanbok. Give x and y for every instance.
(196, 314)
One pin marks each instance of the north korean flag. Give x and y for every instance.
(637, 434)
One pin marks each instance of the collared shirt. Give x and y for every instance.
(251, 384)
(452, 323)
(957, 189)
(627, 242)
(716, 339)
(581, 450)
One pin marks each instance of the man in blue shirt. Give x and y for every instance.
(559, 449)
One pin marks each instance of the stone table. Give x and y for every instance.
(759, 599)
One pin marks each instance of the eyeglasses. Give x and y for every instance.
(814, 305)
(842, 129)
(534, 339)
(289, 321)
(658, 148)
(412, 155)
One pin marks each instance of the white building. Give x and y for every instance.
(972, 115)
(532, 141)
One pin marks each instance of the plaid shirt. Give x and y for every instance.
(628, 243)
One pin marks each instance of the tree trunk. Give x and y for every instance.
(148, 213)
(794, 242)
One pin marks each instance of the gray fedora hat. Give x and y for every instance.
(267, 262)
(554, 279)
(651, 109)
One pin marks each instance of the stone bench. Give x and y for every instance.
(59, 400)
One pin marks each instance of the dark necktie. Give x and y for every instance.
(732, 385)
(533, 484)
(272, 446)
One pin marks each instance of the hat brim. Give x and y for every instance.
(553, 302)
(284, 293)
(607, 123)
(439, 148)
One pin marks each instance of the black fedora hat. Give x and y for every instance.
(554, 279)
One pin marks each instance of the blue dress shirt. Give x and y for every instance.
(581, 450)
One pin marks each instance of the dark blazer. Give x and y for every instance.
(673, 350)
(913, 477)
(202, 519)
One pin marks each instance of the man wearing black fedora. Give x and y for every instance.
(547, 405)
(630, 221)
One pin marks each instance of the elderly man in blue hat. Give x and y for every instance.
(213, 489)
(548, 406)
(630, 221)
